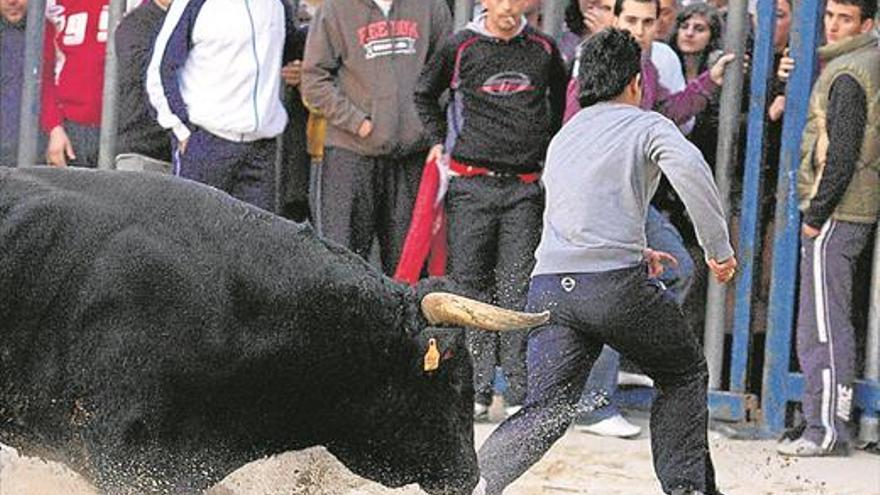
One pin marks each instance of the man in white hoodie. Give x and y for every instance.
(215, 84)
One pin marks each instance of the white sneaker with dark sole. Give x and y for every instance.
(807, 448)
(615, 426)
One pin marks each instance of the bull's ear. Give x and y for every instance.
(438, 345)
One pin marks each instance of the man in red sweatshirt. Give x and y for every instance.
(73, 80)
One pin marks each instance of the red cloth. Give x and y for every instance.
(427, 231)
(73, 62)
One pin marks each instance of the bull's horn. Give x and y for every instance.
(450, 309)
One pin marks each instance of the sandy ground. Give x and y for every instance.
(578, 464)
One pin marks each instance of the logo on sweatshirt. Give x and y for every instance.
(391, 37)
(507, 84)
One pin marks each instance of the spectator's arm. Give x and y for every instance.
(435, 78)
(51, 115)
(690, 176)
(681, 106)
(847, 114)
(557, 93)
(169, 55)
(321, 62)
(572, 102)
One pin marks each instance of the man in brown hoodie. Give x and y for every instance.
(361, 64)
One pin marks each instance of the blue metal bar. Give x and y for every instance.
(780, 320)
(29, 122)
(866, 393)
(724, 406)
(749, 237)
(869, 427)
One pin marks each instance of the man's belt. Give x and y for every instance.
(463, 170)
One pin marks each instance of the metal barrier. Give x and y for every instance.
(737, 404)
(464, 10)
(29, 122)
(109, 108)
(781, 385)
(725, 164)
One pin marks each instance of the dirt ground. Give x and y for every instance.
(578, 464)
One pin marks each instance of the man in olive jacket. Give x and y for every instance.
(839, 190)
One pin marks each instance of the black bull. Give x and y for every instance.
(157, 335)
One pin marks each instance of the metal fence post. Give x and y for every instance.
(109, 110)
(869, 430)
(777, 385)
(552, 11)
(728, 141)
(464, 10)
(749, 238)
(29, 122)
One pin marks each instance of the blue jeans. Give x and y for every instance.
(597, 402)
(624, 309)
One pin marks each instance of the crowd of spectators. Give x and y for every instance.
(351, 98)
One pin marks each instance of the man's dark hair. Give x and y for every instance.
(618, 5)
(609, 61)
(868, 8)
(574, 18)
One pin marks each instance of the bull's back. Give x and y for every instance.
(129, 296)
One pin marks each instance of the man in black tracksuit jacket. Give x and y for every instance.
(507, 85)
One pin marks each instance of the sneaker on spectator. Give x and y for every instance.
(481, 412)
(615, 426)
(803, 447)
(634, 379)
(480, 489)
(511, 410)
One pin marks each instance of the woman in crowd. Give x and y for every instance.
(696, 39)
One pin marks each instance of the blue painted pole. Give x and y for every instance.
(749, 237)
(869, 424)
(29, 121)
(783, 287)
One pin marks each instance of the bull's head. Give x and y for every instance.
(425, 424)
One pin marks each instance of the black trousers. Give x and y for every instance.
(494, 226)
(367, 197)
(633, 314)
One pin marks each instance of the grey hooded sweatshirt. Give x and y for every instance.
(360, 63)
(602, 169)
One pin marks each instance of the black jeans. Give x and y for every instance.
(634, 314)
(367, 197)
(494, 227)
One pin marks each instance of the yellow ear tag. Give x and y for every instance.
(432, 356)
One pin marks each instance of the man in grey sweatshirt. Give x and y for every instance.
(595, 275)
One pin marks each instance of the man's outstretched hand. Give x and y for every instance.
(656, 260)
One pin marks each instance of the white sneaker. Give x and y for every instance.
(511, 410)
(480, 489)
(481, 411)
(635, 379)
(615, 426)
